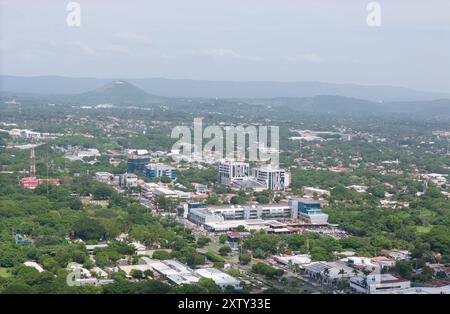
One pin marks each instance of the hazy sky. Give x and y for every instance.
(285, 40)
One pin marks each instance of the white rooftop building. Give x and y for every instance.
(380, 283)
(297, 259)
(220, 278)
(328, 271)
(137, 152)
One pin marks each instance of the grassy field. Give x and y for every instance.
(4, 272)
(423, 229)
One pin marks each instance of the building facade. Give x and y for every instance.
(230, 171)
(273, 179)
(137, 163)
(382, 283)
(308, 210)
(128, 180)
(160, 170)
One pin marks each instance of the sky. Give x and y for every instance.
(238, 40)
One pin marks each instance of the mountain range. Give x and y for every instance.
(121, 92)
(212, 89)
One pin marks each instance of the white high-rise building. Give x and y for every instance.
(230, 171)
(273, 178)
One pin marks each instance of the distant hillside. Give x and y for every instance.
(221, 89)
(351, 106)
(120, 92)
(117, 92)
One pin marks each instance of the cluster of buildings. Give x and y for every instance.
(177, 273)
(350, 269)
(149, 191)
(125, 180)
(309, 135)
(77, 152)
(365, 275)
(224, 218)
(32, 135)
(138, 163)
(237, 175)
(437, 179)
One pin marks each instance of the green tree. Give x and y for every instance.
(224, 250)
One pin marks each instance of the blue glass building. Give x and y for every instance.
(137, 163)
(160, 170)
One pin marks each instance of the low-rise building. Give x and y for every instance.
(360, 263)
(91, 247)
(329, 272)
(200, 188)
(379, 283)
(398, 255)
(129, 268)
(220, 278)
(128, 180)
(293, 259)
(104, 177)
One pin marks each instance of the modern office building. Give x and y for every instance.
(137, 163)
(201, 214)
(304, 209)
(270, 211)
(229, 171)
(307, 209)
(272, 178)
(160, 170)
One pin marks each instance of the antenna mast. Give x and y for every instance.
(32, 163)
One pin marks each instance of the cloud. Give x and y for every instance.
(25, 55)
(225, 53)
(168, 56)
(221, 53)
(132, 38)
(84, 48)
(3, 45)
(119, 49)
(306, 57)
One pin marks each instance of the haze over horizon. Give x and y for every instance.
(314, 41)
